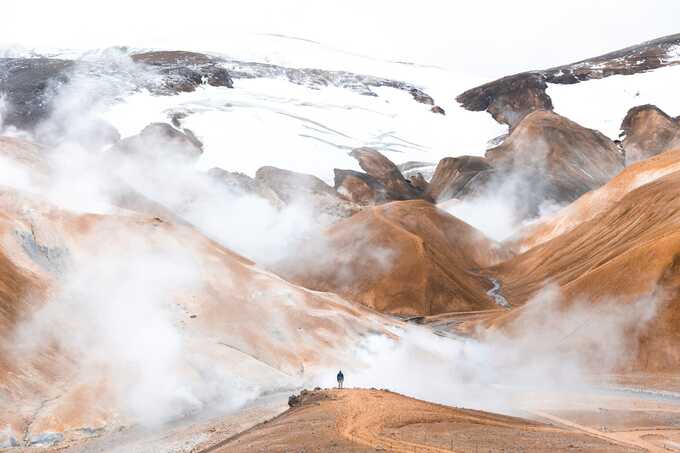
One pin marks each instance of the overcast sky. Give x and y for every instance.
(485, 37)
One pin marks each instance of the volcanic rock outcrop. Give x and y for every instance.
(406, 258)
(184, 71)
(510, 98)
(546, 159)
(291, 187)
(559, 158)
(162, 141)
(453, 175)
(319, 78)
(28, 85)
(239, 184)
(648, 131)
(382, 182)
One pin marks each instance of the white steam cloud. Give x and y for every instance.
(551, 347)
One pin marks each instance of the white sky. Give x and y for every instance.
(489, 38)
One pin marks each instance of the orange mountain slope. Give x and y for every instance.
(629, 252)
(406, 258)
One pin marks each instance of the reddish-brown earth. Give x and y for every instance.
(228, 315)
(454, 174)
(628, 252)
(406, 258)
(546, 159)
(375, 420)
(558, 158)
(648, 131)
(595, 202)
(382, 181)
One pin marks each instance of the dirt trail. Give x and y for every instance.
(362, 421)
(363, 424)
(625, 439)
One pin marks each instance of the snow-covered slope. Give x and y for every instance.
(283, 117)
(272, 121)
(603, 103)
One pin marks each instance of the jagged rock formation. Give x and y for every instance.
(454, 174)
(438, 109)
(184, 71)
(406, 258)
(647, 132)
(511, 98)
(162, 141)
(240, 184)
(381, 183)
(416, 171)
(291, 187)
(560, 159)
(28, 85)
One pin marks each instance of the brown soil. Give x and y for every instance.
(649, 131)
(375, 420)
(406, 258)
(628, 252)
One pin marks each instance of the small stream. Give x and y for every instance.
(495, 294)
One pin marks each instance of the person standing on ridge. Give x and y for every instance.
(341, 379)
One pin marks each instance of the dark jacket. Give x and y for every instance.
(341, 377)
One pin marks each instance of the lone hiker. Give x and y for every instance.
(341, 379)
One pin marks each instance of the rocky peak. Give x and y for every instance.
(647, 132)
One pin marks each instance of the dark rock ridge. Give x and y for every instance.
(291, 187)
(162, 141)
(414, 171)
(546, 158)
(382, 181)
(28, 85)
(284, 187)
(648, 131)
(511, 98)
(239, 184)
(453, 175)
(437, 109)
(319, 78)
(184, 71)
